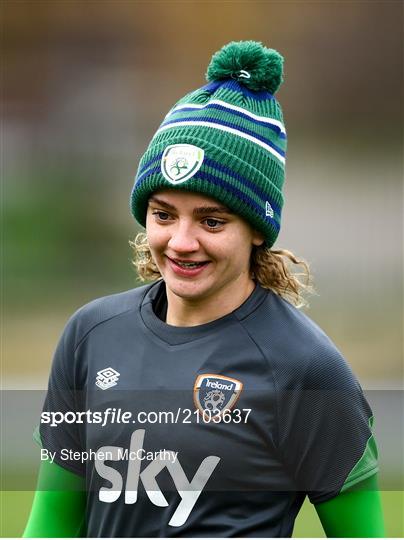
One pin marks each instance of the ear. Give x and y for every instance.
(258, 238)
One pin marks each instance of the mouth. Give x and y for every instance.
(187, 267)
(184, 263)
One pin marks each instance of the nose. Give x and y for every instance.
(183, 238)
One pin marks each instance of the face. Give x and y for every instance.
(200, 247)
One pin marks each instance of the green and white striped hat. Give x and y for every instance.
(226, 140)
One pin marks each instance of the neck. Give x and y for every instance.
(196, 311)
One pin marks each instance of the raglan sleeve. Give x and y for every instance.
(58, 430)
(325, 426)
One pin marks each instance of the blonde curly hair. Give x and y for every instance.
(270, 268)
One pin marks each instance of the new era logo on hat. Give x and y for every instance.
(269, 211)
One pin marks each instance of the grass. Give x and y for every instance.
(15, 507)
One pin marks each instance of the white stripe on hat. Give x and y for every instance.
(225, 105)
(223, 128)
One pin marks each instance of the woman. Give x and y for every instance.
(237, 405)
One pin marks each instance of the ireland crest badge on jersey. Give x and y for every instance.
(215, 394)
(180, 162)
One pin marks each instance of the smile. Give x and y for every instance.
(187, 268)
(189, 264)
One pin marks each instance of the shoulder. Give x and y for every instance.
(102, 310)
(296, 348)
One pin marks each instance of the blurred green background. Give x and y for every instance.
(85, 86)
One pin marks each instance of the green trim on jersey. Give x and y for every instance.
(37, 436)
(366, 465)
(59, 504)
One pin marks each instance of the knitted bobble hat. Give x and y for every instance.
(226, 140)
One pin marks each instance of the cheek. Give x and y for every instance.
(238, 242)
(239, 247)
(156, 244)
(232, 249)
(155, 235)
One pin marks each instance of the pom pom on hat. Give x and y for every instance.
(249, 62)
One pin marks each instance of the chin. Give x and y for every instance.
(186, 290)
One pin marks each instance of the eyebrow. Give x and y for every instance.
(197, 211)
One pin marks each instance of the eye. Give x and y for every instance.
(213, 223)
(162, 216)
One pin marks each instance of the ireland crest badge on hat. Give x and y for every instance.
(215, 394)
(180, 162)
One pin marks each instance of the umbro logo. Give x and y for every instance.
(106, 378)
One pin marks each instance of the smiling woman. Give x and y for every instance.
(255, 402)
(203, 261)
(271, 268)
(190, 235)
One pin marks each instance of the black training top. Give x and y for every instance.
(214, 430)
